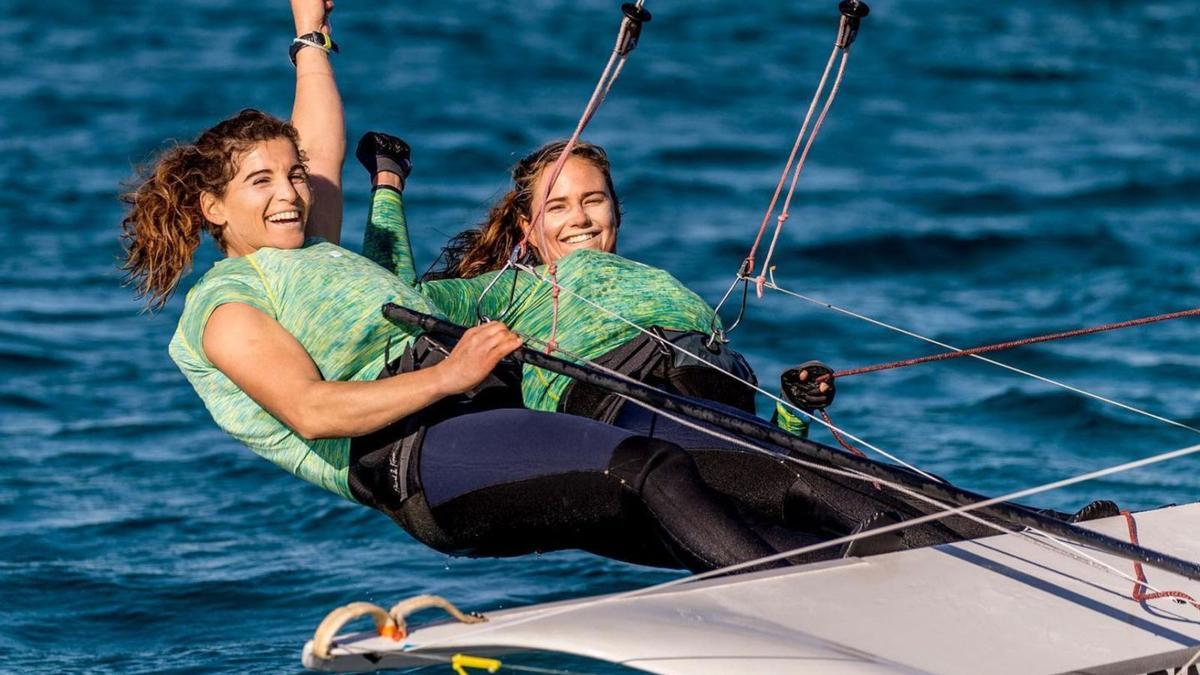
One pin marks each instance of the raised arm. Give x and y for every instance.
(272, 367)
(317, 114)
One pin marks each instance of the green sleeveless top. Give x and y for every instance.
(329, 299)
(645, 296)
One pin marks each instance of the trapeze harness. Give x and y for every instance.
(648, 358)
(480, 475)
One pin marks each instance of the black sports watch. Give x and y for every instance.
(314, 39)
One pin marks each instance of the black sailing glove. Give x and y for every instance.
(383, 152)
(809, 386)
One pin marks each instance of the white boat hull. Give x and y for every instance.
(1002, 604)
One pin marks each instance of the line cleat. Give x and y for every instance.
(378, 151)
(802, 386)
(853, 12)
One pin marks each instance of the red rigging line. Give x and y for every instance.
(1140, 595)
(852, 11)
(984, 349)
(627, 39)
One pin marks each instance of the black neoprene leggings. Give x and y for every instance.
(513, 481)
(787, 493)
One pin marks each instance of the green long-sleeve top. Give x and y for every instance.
(604, 301)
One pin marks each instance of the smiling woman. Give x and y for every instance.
(265, 203)
(604, 299)
(579, 211)
(583, 211)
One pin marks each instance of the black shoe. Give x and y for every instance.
(378, 151)
(1101, 508)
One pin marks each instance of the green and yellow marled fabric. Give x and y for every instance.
(388, 243)
(640, 294)
(329, 299)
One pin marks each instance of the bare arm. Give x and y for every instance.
(272, 367)
(317, 114)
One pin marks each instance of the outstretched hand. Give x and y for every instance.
(311, 15)
(809, 386)
(475, 356)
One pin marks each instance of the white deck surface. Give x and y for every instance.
(998, 605)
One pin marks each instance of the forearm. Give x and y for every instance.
(346, 409)
(318, 117)
(386, 237)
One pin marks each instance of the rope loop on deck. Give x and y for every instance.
(333, 622)
(400, 611)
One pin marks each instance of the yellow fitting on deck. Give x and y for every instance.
(460, 663)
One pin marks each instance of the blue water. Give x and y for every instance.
(990, 170)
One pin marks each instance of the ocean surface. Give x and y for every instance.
(989, 171)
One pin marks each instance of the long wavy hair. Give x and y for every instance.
(161, 229)
(487, 247)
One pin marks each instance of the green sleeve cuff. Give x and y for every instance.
(790, 422)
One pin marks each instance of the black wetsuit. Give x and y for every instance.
(562, 481)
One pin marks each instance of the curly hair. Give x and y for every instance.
(487, 247)
(161, 229)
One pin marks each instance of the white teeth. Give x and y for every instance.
(284, 216)
(579, 238)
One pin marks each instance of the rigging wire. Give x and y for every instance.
(747, 383)
(949, 511)
(1022, 342)
(627, 39)
(852, 11)
(784, 213)
(1083, 392)
(832, 427)
(1027, 531)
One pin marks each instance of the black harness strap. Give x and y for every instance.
(646, 359)
(381, 463)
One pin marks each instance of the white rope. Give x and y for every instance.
(1028, 531)
(608, 77)
(751, 385)
(833, 427)
(772, 285)
(959, 511)
(787, 167)
(787, 202)
(948, 511)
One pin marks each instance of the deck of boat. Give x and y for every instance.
(1002, 604)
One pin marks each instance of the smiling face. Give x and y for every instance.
(266, 204)
(580, 213)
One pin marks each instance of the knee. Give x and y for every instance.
(639, 459)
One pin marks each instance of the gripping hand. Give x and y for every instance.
(809, 386)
